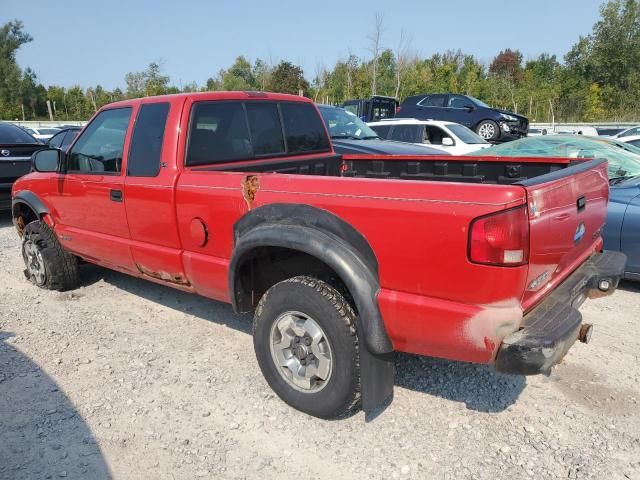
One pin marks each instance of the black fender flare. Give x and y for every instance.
(31, 200)
(326, 237)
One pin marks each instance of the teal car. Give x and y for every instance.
(622, 230)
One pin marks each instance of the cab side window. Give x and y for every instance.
(146, 142)
(100, 147)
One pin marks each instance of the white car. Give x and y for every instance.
(42, 133)
(629, 132)
(630, 139)
(449, 137)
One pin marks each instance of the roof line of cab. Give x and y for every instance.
(218, 95)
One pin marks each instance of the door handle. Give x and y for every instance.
(116, 195)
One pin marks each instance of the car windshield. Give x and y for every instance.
(623, 164)
(465, 134)
(10, 134)
(479, 103)
(343, 124)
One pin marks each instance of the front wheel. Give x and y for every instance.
(47, 264)
(304, 335)
(488, 129)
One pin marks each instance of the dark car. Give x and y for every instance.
(64, 137)
(16, 148)
(372, 109)
(351, 135)
(491, 124)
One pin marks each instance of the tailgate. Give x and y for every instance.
(567, 210)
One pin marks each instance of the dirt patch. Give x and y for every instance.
(144, 381)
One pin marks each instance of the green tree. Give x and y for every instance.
(148, 82)
(12, 82)
(239, 76)
(288, 78)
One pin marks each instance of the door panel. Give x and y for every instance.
(91, 224)
(149, 190)
(88, 199)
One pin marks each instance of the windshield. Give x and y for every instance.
(622, 162)
(480, 103)
(10, 134)
(465, 134)
(343, 124)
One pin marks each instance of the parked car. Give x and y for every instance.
(609, 131)
(240, 197)
(490, 123)
(42, 133)
(633, 131)
(372, 109)
(16, 147)
(622, 230)
(350, 135)
(64, 137)
(630, 140)
(449, 137)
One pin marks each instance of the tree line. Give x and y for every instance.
(597, 80)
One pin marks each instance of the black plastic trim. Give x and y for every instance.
(572, 169)
(357, 269)
(31, 200)
(549, 330)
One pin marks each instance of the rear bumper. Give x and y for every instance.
(551, 328)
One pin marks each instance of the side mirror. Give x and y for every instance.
(47, 160)
(471, 108)
(448, 142)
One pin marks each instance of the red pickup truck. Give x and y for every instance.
(239, 197)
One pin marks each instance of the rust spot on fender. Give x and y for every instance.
(250, 188)
(176, 278)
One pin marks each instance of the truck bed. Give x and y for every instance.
(445, 168)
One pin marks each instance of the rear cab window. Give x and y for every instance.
(226, 131)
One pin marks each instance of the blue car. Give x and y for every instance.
(622, 230)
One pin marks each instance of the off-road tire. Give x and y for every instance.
(340, 396)
(60, 267)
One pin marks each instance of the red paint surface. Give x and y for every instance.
(433, 300)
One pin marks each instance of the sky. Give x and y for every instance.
(90, 42)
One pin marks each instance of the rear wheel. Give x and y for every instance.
(47, 264)
(304, 335)
(488, 129)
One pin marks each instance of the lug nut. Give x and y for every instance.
(307, 341)
(604, 285)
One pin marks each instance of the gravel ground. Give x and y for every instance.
(126, 379)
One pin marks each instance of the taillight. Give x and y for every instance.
(398, 108)
(500, 238)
